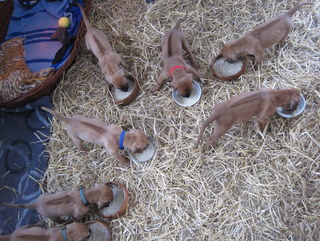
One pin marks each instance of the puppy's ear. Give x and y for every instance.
(120, 72)
(190, 76)
(293, 104)
(173, 84)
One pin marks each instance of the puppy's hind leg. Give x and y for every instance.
(258, 61)
(194, 72)
(257, 52)
(219, 130)
(263, 121)
(187, 48)
(94, 59)
(281, 43)
(78, 143)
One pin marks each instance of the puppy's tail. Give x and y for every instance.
(296, 8)
(85, 18)
(55, 114)
(206, 123)
(177, 25)
(27, 205)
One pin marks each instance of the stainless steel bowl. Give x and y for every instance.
(298, 111)
(194, 96)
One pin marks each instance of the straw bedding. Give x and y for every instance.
(250, 185)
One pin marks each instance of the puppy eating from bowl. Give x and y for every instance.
(192, 99)
(112, 137)
(176, 70)
(254, 42)
(109, 61)
(225, 70)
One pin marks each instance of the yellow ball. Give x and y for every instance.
(64, 22)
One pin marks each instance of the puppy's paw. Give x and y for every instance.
(126, 163)
(123, 160)
(207, 146)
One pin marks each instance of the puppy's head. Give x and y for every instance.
(78, 231)
(140, 142)
(293, 99)
(229, 53)
(105, 197)
(183, 85)
(119, 80)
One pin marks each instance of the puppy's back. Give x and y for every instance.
(241, 107)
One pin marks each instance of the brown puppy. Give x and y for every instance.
(265, 35)
(175, 67)
(69, 203)
(109, 61)
(95, 131)
(242, 107)
(73, 232)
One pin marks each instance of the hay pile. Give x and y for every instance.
(249, 186)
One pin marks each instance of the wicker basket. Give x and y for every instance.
(6, 9)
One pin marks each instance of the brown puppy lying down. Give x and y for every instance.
(109, 61)
(112, 137)
(73, 232)
(242, 107)
(175, 68)
(265, 35)
(74, 203)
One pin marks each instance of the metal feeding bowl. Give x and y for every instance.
(289, 114)
(224, 70)
(125, 97)
(146, 155)
(192, 99)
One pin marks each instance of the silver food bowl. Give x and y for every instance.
(302, 104)
(192, 99)
(145, 155)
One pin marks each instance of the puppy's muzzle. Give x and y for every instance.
(186, 95)
(231, 60)
(125, 88)
(294, 106)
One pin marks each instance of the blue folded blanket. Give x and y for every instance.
(23, 160)
(36, 25)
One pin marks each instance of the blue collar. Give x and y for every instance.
(64, 234)
(83, 198)
(123, 133)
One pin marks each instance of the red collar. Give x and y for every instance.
(174, 68)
